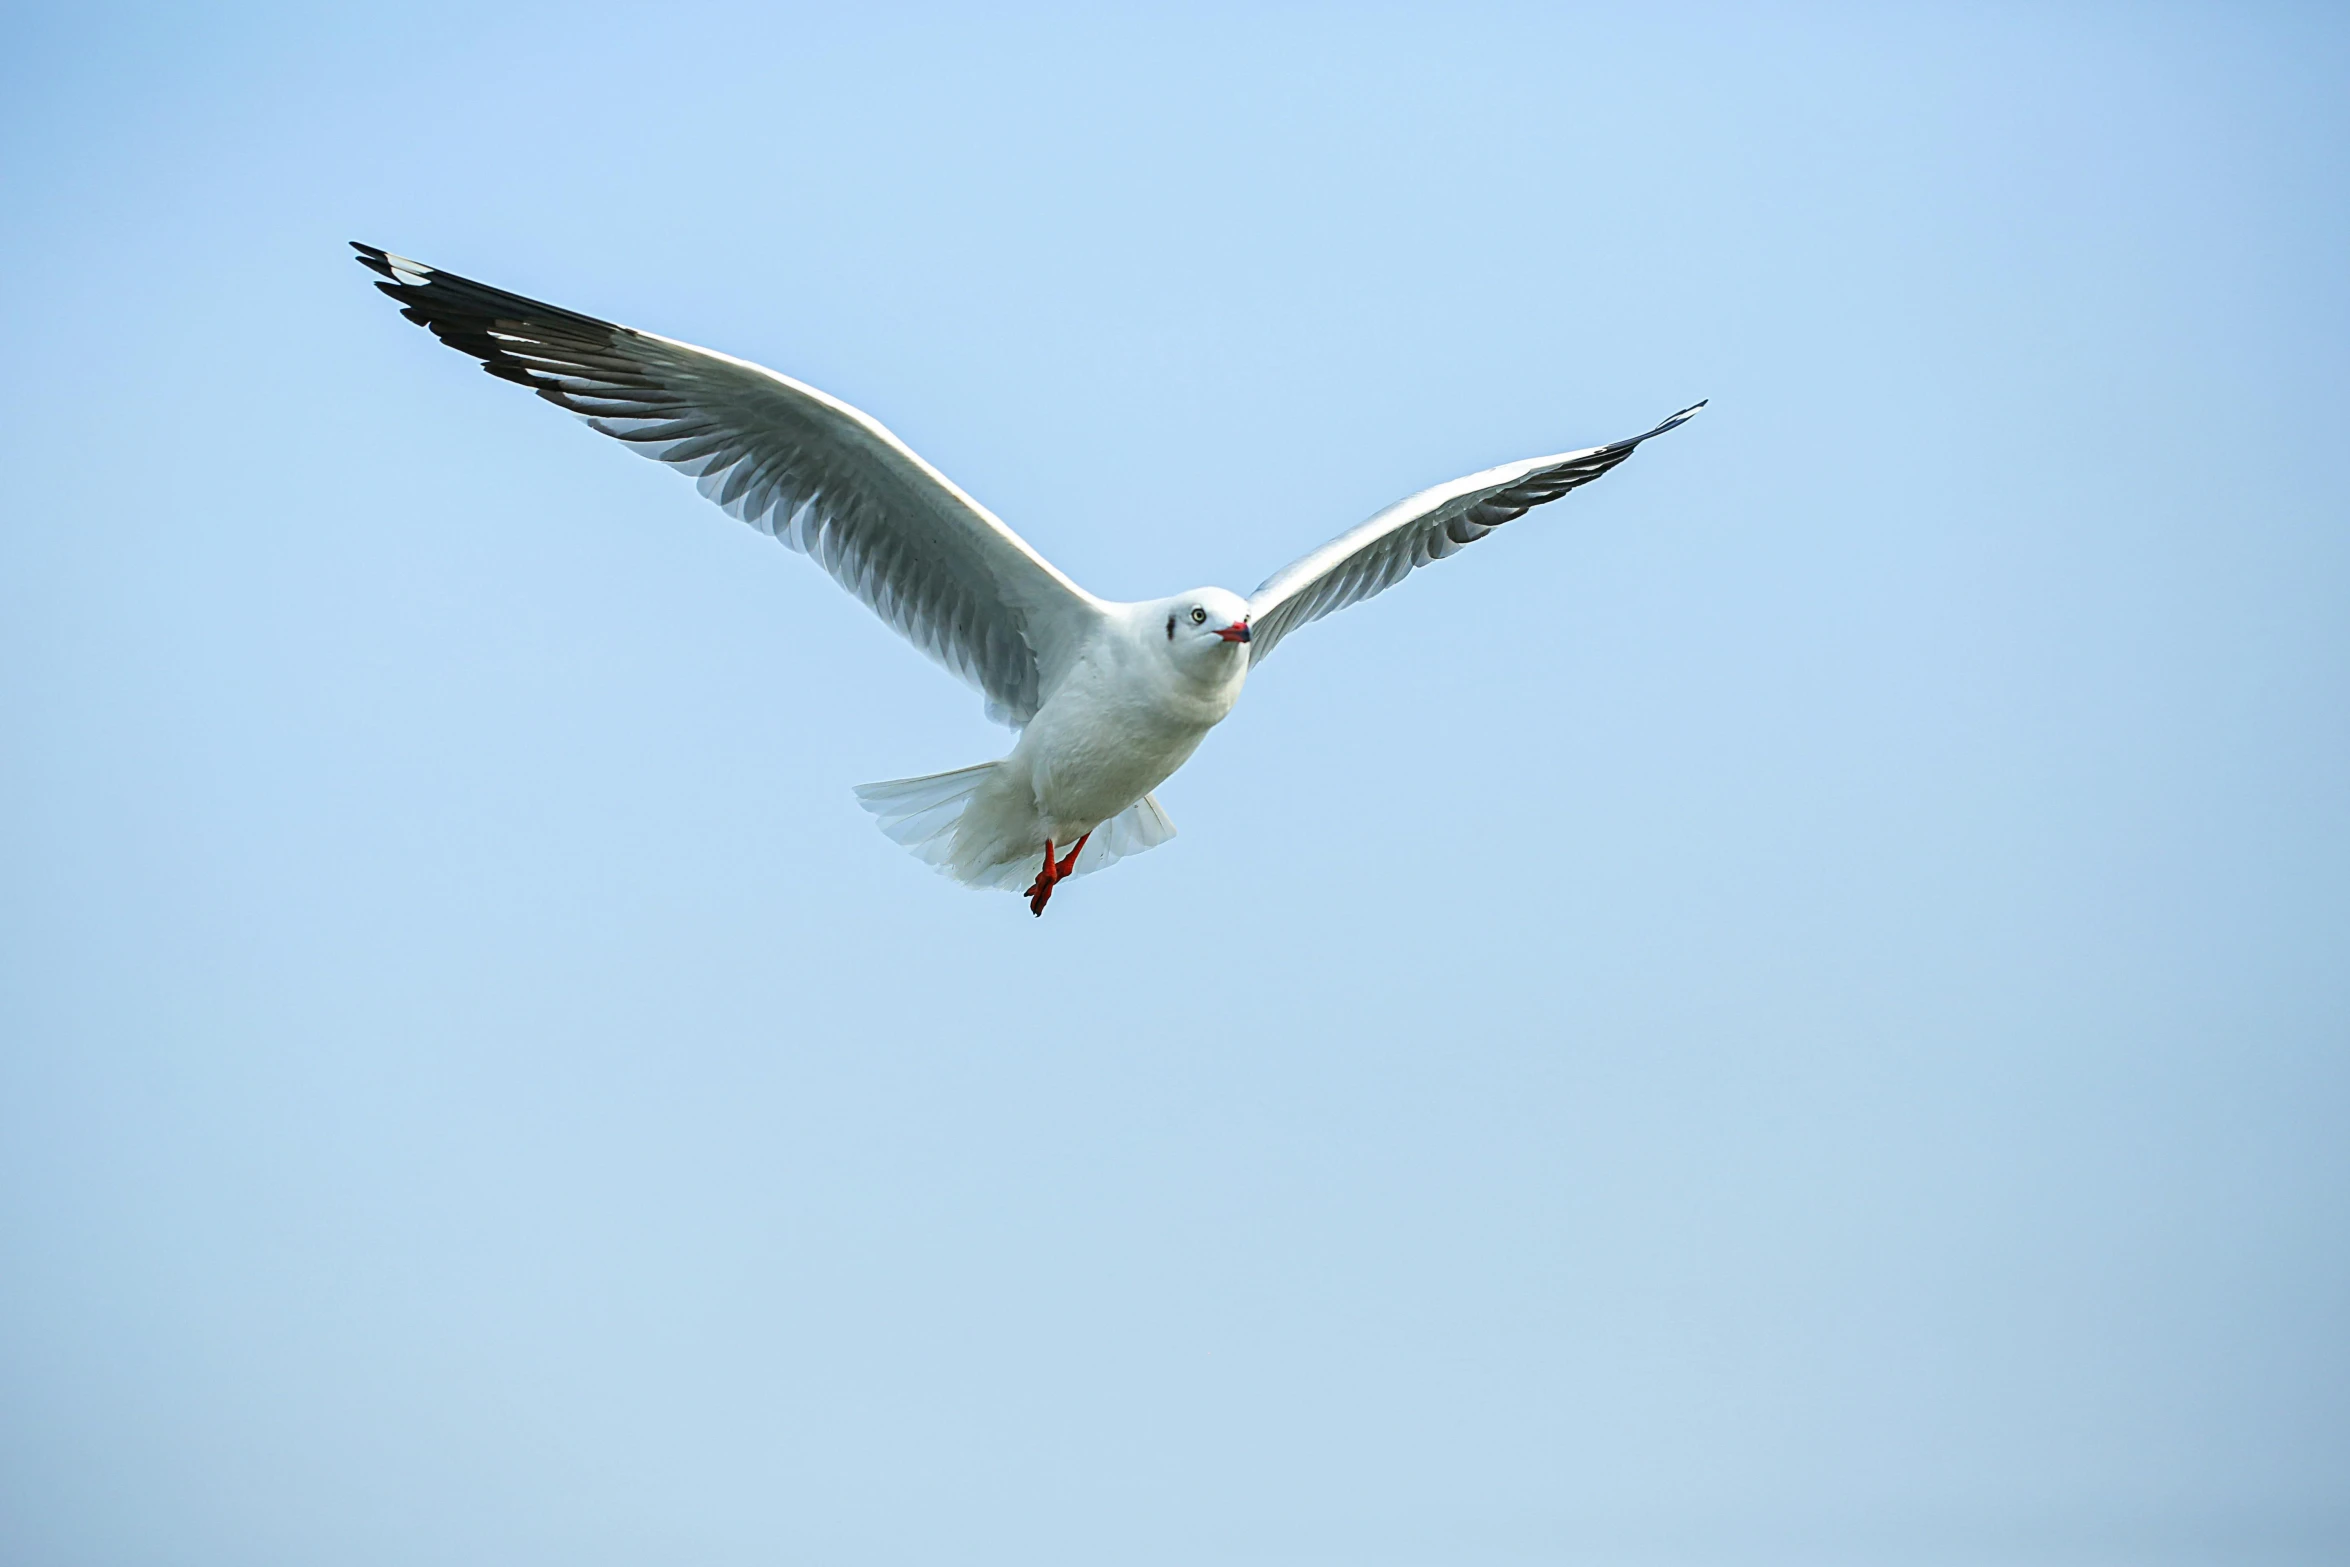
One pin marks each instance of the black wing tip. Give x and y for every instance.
(1674, 423)
(385, 263)
(1680, 419)
(434, 296)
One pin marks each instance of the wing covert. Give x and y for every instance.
(822, 477)
(1377, 554)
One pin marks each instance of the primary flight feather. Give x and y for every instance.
(1109, 698)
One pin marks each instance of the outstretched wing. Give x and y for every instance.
(1428, 526)
(808, 469)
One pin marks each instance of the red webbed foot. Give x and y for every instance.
(1040, 891)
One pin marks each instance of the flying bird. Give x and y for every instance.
(1108, 698)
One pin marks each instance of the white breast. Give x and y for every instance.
(1123, 720)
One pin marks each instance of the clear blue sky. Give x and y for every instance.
(1792, 1007)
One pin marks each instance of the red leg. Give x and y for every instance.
(1040, 891)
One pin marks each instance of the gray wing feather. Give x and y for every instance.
(808, 469)
(1375, 556)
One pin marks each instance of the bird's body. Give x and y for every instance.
(1120, 724)
(1109, 698)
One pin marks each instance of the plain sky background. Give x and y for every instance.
(1789, 1008)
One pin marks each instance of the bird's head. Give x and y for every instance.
(1204, 630)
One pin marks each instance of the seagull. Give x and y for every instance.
(1108, 699)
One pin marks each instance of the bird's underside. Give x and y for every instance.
(1109, 698)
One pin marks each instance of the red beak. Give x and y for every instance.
(1236, 632)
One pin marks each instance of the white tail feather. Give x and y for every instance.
(1142, 825)
(925, 813)
(921, 813)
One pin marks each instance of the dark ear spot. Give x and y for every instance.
(1170, 628)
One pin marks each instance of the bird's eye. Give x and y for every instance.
(1199, 617)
